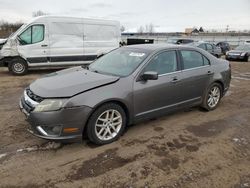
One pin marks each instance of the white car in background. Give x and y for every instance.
(49, 41)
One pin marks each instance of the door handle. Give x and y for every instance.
(44, 45)
(175, 79)
(209, 72)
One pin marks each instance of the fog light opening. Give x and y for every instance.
(50, 130)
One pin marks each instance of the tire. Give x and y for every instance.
(18, 66)
(101, 122)
(212, 97)
(248, 58)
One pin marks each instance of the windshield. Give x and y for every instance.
(120, 62)
(243, 47)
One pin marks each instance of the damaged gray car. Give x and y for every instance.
(123, 87)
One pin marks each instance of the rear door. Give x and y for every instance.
(195, 76)
(33, 43)
(155, 96)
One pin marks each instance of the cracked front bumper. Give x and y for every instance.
(66, 118)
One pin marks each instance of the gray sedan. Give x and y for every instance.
(123, 87)
(211, 48)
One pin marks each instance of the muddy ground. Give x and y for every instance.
(190, 148)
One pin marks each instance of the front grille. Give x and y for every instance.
(33, 96)
(26, 106)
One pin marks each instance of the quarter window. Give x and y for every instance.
(32, 35)
(192, 59)
(163, 63)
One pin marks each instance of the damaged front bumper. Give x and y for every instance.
(66, 124)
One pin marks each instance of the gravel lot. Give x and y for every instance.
(190, 148)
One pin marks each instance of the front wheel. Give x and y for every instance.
(106, 124)
(18, 66)
(212, 97)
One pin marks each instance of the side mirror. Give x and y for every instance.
(150, 75)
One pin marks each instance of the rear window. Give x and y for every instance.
(193, 59)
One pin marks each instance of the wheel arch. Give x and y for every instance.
(115, 101)
(221, 84)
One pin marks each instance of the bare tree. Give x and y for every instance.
(149, 28)
(6, 28)
(122, 28)
(38, 13)
(140, 29)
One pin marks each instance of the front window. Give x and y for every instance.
(163, 63)
(32, 35)
(120, 62)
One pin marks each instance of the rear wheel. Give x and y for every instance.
(212, 97)
(106, 124)
(18, 66)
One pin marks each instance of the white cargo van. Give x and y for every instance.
(58, 41)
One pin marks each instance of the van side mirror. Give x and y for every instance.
(150, 75)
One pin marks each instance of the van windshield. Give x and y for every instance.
(120, 62)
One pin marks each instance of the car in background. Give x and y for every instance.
(211, 48)
(241, 52)
(127, 85)
(247, 42)
(58, 41)
(224, 47)
(180, 41)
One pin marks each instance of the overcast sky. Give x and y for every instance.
(166, 15)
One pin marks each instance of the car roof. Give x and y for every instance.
(156, 47)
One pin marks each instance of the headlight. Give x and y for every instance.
(50, 105)
(243, 54)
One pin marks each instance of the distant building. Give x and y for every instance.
(190, 31)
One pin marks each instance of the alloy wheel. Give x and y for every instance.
(214, 96)
(108, 125)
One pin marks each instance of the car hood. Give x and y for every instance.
(69, 82)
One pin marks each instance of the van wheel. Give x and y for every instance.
(106, 124)
(212, 97)
(18, 66)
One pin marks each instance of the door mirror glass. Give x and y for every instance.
(150, 75)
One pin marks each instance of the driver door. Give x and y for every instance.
(33, 44)
(153, 97)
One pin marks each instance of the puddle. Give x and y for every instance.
(104, 162)
(209, 129)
